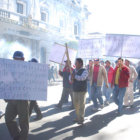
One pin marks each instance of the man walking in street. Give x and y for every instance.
(67, 86)
(79, 80)
(33, 104)
(120, 82)
(107, 91)
(20, 108)
(129, 95)
(88, 80)
(98, 75)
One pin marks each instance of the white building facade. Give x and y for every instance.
(37, 24)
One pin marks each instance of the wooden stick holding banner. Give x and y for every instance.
(2, 116)
(68, 59)
(62, 61)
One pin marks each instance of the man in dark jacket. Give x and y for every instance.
(120, 82)
(67, 86)
(33, 104)
(20, 108)
(79, 80)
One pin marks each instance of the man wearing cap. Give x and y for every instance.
(107, 91)
(120, 83)
(97, 76)
(20, 108)
(129, 95)
(33, 104)
(67, 86)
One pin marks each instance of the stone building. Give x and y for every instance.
(37, 24)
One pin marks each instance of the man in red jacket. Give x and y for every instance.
(120, 82)
(107, 91)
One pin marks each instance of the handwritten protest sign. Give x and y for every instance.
(23, 80)
(58, 51)
(113, 45)
(91, 48)
(131, 47)
(122, 45)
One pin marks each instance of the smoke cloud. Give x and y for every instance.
(7, 49)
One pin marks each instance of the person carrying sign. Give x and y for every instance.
(79, 80)
(67, 86)
(20, 108)
(33, 104)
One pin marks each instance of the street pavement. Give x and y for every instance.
(57, 124)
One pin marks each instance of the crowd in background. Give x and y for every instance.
(117, 82)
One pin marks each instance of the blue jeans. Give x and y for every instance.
(118, 95)
(96, 93)
(107, 92)
(89, 90)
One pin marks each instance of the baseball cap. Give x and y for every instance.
(18, 54)
(96, 59)
(34, 60)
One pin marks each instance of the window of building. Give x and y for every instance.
(20, 7)
(75, 29)
(44, 16)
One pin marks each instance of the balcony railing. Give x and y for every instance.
(4, 14)
(15, 18)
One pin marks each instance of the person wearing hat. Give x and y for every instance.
(20, 108)
(67, 86)
(120, 83)
(97, 76)
(107, 91)
(129, 95)
(33, 104)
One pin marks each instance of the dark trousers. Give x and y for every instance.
(34, 105)
(118, 95)
(65, 93)
(96, 93)
(20, 108)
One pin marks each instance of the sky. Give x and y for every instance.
(114, 16)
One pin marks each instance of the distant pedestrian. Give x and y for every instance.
(52, 72)
(120, 83)
(79, 79)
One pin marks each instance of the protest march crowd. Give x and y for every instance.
(98, 79)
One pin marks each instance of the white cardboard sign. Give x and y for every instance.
(58, 51)
(21, 80)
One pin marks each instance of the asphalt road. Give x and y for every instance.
(57, 124)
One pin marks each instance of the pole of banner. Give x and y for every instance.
(2, 116)
(122, 46)
(62, 60)
(68, 59)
